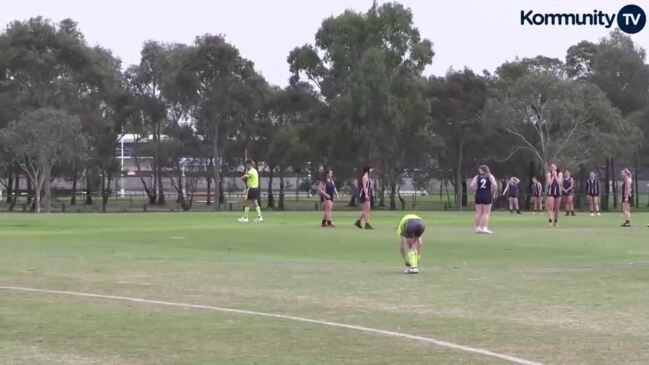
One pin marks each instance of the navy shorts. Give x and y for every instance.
(414, 228)
(253, 194)
(483, 199)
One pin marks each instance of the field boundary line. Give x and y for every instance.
(433, 341)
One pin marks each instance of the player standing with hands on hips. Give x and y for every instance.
(328, 194)
(251, 178)
(627, 196)
(485, 186)
(365, 196)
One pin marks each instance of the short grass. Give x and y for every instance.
(573, 295)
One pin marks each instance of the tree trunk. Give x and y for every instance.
(16, 192)
(402, 200)
(161, 191)
(105, 187)
(47, 187)
(528, 196)
(607, 186)
(217, 166)
(89, 183)
(458, 176)
(10, 183)
(221, 195)
(38, 203)
(150, 192)
(393, 193)
(75, 178)
(382, 193)
(582, 176)
(271, 198)
(281, 189)
(464, 192)
(30, 191)
(354, 197)
(208, 178)
(614, 183)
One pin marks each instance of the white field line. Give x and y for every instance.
(440, 343)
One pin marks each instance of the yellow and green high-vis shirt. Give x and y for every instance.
(253, 178)
(401, 230)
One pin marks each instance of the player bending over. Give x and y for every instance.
(410, 230)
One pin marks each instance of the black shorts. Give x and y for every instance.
(253, 194)
(593, 195)
(323, 199)
(414, 228)
(630, 200)
(483, 199)
(364, 198)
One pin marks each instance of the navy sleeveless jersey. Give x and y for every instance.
(537, 189)
(568, 184)
(512, 191)
(554, 189)
(592, 187)
(483, 192)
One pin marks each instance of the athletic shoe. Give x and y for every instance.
(487, 231)
(598, 214)
(368, 226)
(478, 230)
(626, 224)
(592, 214)
(259, 219)
(358, 224)
(332, 225)
(556, 225)
(243, 220)
(412, 270)
(572, 213)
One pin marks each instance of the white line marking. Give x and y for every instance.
(450, 345)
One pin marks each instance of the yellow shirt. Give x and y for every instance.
(253, 178)
(401, 230)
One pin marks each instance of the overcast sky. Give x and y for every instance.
(478, 34)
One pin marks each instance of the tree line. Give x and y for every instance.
(356, 96)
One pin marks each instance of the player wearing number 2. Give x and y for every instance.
(484, 185)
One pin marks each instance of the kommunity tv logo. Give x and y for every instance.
(630, 19)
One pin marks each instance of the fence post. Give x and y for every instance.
(144, 207)
(63, 207)
(316, 207)
(230, 206)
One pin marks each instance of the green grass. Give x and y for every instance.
(573, 295)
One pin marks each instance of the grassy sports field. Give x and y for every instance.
(573, 295)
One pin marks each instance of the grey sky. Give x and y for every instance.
(479, 34)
